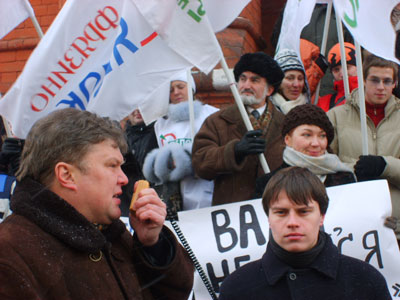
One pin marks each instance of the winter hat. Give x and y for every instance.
(182, 76)
(334, 56)
(289, 60)
(261, 64)
(309, 114)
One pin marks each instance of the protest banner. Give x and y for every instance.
(228, 236)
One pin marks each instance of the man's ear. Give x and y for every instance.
(270, 89)
(322, 220)
(64, 174)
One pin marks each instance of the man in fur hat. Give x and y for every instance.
(171, 163)
(224, 151)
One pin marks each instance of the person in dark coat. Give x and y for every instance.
(223, 149)
(10, 155)
(301, 262)
(308, 133)
(141, 139)
(64, 239)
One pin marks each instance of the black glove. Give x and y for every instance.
(369, 167)
(11, 153)
(322, 63)
(251, 143)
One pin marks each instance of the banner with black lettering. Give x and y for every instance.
(228, 236)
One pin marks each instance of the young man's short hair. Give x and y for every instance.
(300, 185)
(376, 61)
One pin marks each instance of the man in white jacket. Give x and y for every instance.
(171, 164)
(383, 119)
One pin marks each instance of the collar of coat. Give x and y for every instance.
(326, 263)
(393, 103)
(55, 216)
(232, 115)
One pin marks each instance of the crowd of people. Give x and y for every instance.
(64, 188)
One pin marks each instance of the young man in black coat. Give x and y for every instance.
(301, 262)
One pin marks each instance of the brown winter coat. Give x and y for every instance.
(213, 156)
(48, 251)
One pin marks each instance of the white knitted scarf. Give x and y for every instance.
(286, 105)
(319, 165)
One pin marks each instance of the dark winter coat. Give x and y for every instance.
(50, 251)
(213, 155)
(331, 276)
(331, 180)
(141, 140)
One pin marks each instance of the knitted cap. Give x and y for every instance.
(334, 56)
(309, 114)
(289, 60)
(261, 64)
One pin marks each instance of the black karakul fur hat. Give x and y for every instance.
(261, 64)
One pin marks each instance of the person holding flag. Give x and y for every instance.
(224, 151)
(334, 57)
(383, 117)
(171, 163)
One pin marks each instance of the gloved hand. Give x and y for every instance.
(322, 62)
(391, 222)
(11, 153)
(369, 167)
(251, 143)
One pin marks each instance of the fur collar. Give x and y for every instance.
(180, 111)
(58, 218)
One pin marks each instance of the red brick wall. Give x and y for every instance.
(248, 33)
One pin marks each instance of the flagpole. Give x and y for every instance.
(190, 103)
(343, 56)
(323, 44)
(361, 97)
(242, 109)
(33, 18)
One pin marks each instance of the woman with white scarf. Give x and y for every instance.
(293, 90)
(308, 133)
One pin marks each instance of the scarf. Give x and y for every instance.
(286, 105)
(180, 111)
(263, 122)
(298, 260)
(319, 165)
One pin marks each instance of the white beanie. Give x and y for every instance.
(182, 76)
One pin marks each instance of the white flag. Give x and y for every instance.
(297, 14)
(12, 13)
(103, 56)
(184, 27)
(221, 13)
(369, 23)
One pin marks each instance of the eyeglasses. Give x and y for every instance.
(376, 81)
